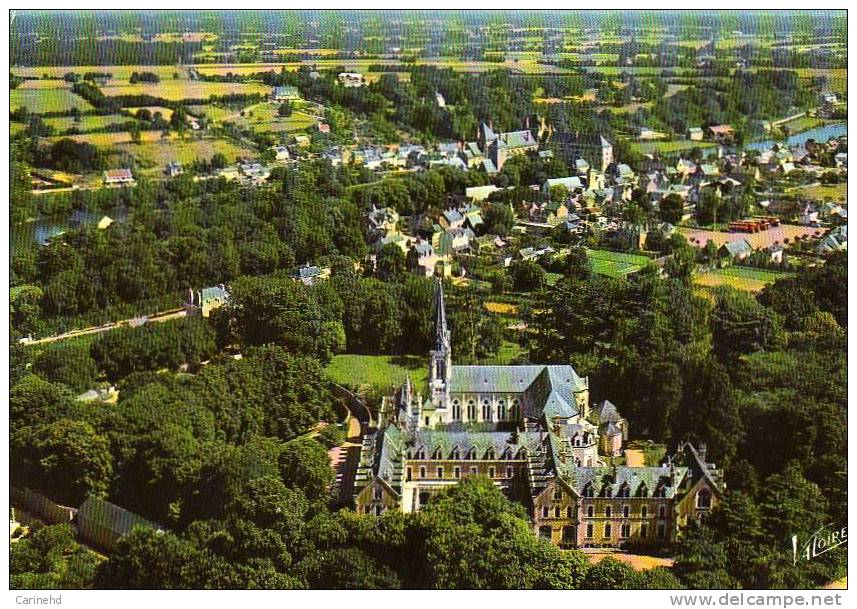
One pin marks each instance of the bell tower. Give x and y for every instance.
(440, 358)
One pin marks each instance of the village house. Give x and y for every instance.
(736, 250)
(281, 153)
(531, 431)
(311, 275)
(206, 300)
(118, 176)
(285, 93)
(351, 79)
(721, 133)
(174, 169)
(695, 134)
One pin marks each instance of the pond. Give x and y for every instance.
(39, 232)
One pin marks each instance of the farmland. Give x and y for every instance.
(179, 89)
(741, 278)
(40, 101)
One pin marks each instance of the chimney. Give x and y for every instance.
(528, 123)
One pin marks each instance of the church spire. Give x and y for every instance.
(441, 339)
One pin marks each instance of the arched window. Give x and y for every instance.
(608, 511)
(421, 453)
(578, 441)
(516, 410)
(471, 410)
(438, 453)
(608, 531)
(501, 410)
(703, 498)
(590, 512)
(490, 454)
(471, 455)
(644, 512)
(486, 411)
(456, 410)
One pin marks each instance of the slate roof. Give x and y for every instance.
(741, 246)
(516, 139)
(551, 389)
(570, 183)
(607, 478)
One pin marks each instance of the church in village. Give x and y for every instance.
(530, 429)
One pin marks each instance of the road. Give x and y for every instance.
(156, 317)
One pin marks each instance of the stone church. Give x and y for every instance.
(532, 431)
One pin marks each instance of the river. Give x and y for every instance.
(819, 134)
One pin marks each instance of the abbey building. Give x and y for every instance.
(530, 429)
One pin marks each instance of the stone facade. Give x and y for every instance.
(530, 430)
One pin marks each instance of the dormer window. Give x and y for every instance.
(643, 491)
(624, 490)
(421, 454)
(491, 454)
(589, 491)
(703, 499)
(438, 453)
(471, 455)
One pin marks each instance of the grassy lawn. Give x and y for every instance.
(668, 147)
(833, 192)
(615, 264)
(741, 278)
(265, 119)
(214, 113)
(39, 101)
(381, 371)
(506, 354)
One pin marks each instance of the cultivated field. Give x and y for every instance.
(39, 101)
(156, 154)
(784, 233)
(87, 122)
(741, 278)
(176, 90)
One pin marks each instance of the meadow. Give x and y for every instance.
(41, 100)
(741, 278)
(381, 371)
(179, 89)
(668, 147)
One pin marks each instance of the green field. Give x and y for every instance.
(264, 118)
(739, 277)
(39, 101)
(87, 123)
(615, 264)
(381, 371)
(668, 147)
(156, 154)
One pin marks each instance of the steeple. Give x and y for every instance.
(440, 358)
(441, 337)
